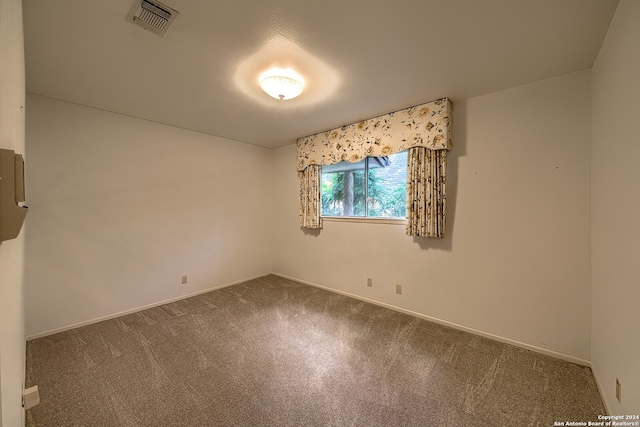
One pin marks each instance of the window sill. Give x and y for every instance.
(391, 221)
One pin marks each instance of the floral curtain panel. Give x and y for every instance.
(427, 125)
(426, 197)
(310, 197)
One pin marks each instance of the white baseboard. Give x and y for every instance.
(135, 310)
(605, 402)
(541, 350)
(536, 349)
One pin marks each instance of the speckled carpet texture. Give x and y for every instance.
(274, 352)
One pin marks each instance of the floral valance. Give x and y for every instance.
(427, 125)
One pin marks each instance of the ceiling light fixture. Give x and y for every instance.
(281, 83)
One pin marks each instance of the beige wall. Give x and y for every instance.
(12, 349)
(615, 207)
(121, 208)
(515, 263)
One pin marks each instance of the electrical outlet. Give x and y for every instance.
(399, 289)
(184, 280)
(369, 282)
(618, 391)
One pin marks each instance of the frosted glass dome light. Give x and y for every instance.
(281, 83)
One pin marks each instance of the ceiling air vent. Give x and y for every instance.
(152, 16)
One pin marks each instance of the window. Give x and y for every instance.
(374, 187)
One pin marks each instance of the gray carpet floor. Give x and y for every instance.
(274, 352)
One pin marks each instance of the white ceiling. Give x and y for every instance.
(360, 58)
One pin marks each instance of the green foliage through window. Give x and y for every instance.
(374, 187)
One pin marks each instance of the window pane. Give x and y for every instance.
(387, 193)
(343, 192)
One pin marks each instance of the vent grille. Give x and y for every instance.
(152, 16)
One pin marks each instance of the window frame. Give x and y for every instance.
(369, 219)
